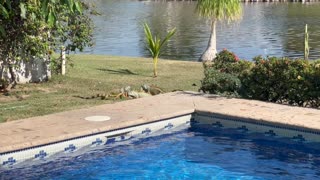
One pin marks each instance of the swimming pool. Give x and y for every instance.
(185, 153)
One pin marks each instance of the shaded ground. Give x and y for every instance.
(91, 75)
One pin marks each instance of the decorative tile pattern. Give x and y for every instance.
(111, 140)
(147, 131)
(41, 155)
(97, 142)
(214, 116)
(70, 148)
(105, 138)
(168, 126)
(217, 124)
(270, 133)
(123, 138)
(299, 138)
(243, 129)
(297, 134)
(11, 161)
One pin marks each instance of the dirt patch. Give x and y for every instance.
(46, 90)
(4, 98)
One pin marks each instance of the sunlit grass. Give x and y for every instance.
(93, 74)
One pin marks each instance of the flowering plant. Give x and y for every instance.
(228, 62)
(226, 56)
(280, 80)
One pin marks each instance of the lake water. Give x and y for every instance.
(274, 29)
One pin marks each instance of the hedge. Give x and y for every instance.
(280, 80)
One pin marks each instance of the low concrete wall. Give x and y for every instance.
(36, 70)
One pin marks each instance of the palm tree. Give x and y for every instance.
(217, 10)
(155, 44)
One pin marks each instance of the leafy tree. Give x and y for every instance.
(217, 10)
(31, 29)
(155, 45)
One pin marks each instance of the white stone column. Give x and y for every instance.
(63, 61)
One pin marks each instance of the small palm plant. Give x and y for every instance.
(155, 44)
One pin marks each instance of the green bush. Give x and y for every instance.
(226, 56)
(280, 80)
(314, 80)
(216, 82)
(277, 80)
(228, 62)
(222, 76)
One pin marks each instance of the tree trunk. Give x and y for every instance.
(63, 61)
(13, 81)
(155, 64)
(211, 50)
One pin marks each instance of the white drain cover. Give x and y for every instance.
(97, 118)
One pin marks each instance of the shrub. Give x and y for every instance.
(226, 56)
(314, 80)
(280, 80)
(276, 80)
(222, 75)
(284, 81)
(216, 82)
(228, 62)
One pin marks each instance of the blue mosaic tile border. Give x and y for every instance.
(212, 121)
(42, 152)
(252, 121)
(118, 135)
(102, 132)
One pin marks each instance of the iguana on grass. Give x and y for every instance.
(127, 92)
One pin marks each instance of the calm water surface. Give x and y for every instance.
(265, 29)
(183, 155)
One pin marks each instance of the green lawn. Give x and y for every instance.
(93, 74)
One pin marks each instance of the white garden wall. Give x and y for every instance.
(36, 70)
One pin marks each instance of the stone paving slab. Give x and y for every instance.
(42, 130)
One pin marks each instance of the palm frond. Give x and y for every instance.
(155, 43)
(169, 35)
(220, 9)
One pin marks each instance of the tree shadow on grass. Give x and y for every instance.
(120, 71)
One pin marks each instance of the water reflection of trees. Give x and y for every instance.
(278, 30)
(274, 29)
(167, 15)
(294, 38)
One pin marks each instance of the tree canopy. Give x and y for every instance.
(35, 28)
(220, 9)
(49, 9)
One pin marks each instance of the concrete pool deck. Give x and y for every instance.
(37, 131)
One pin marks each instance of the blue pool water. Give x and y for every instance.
(186, 154)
